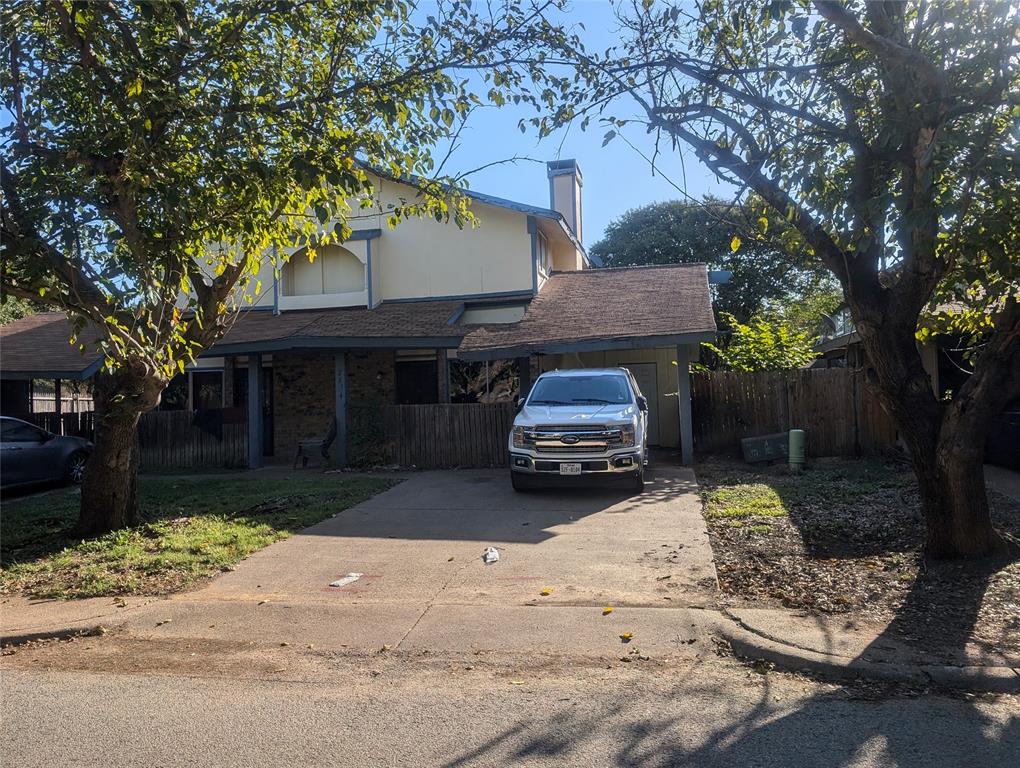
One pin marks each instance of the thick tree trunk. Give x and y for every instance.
(946, 443)
(109, 497)
(108, 493)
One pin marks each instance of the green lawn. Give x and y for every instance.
(191, 528)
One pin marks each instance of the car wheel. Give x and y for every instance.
(75, 469)
(520, 483)
(638, 481)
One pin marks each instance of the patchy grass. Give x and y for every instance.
(191, 528)
(846, 537)
(741, 501)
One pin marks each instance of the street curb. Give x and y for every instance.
(748, 644)
(10, 641)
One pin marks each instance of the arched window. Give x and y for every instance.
(334, 270)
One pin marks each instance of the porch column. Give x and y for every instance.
(340, 406)
(255, 425)
(683, 377)
(524, 372)
(443, 373)
(58, 406)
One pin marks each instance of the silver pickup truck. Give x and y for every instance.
(586, 422)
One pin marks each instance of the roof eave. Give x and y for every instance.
(566, 346)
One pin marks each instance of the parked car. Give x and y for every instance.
(589, 422)
(29, 454)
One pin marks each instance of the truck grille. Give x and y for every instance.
(572, 439)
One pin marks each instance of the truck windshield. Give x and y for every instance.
(581, 390)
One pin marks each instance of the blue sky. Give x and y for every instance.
(616, 177)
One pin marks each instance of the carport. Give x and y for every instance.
(649, 319)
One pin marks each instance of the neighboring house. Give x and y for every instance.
(383, 318)
(840, 347)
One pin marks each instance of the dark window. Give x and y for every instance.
(417, 382)
(206, 390)
(19, 432)
(175, 396)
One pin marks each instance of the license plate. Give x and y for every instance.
(570, 469)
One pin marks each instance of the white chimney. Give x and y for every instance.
(565, 184)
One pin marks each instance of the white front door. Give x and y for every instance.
(647, 380)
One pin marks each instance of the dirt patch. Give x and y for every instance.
(846, 538)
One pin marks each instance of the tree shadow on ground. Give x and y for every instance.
(907, 726)
(857, 724)
(846, 539)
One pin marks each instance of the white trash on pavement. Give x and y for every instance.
(350, 578)
(491, 555)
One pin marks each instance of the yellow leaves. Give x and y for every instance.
(546, 591)
(134, 88)
(607, 610)
(148, 124)
(626, 637)
(735, 243)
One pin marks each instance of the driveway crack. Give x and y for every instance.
(432, 601)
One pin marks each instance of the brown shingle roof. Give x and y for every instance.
(398, 322)
(594, 309)
(39, 347)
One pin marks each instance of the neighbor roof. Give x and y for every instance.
(602, 309)
(39, 347)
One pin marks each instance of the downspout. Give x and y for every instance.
(276, 283)
(368, 273)
(533, 231)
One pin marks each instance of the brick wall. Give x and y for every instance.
(303, 395)
(303, 399)
(371, 378)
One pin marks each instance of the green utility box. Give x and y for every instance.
(766, 447)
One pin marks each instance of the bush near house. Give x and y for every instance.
(191, 528)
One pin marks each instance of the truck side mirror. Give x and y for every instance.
(518, 403)
(642, 403)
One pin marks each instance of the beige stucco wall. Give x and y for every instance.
(423, 258)
(667, 410)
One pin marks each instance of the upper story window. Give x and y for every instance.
(544, 257)
(334, 270)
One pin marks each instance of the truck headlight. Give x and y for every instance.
(627, 435)
(518, 433)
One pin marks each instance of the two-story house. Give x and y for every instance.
(388, 315)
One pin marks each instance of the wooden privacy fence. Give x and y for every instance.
(842, 417)
(81, 424)
(171, 439)
(192, 439)
(430, 436)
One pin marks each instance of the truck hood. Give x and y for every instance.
(533, 415)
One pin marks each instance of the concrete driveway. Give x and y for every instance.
(418, 548)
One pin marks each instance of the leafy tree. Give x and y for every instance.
(764, 345)
(723, 236)
(158, 153)
(885, 133)
(13, 308)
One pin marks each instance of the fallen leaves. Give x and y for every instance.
(546, 591)
(607, 610)
(626, 637)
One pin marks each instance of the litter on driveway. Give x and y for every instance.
(491, 555)
(350, 578)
